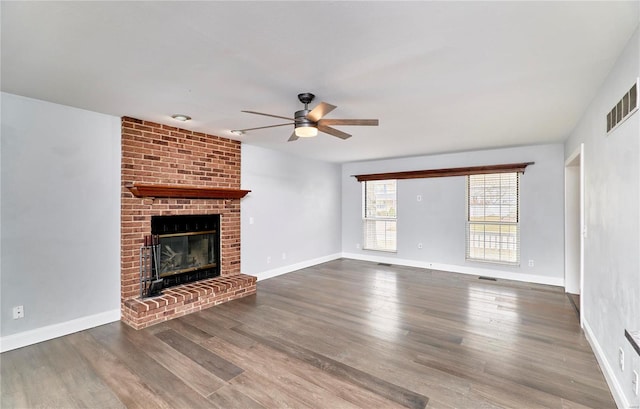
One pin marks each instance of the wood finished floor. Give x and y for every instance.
(344, 334)
(575, 301)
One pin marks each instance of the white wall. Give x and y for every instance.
(611, 294)
(295, 208)
(60, 234)
(438, 221)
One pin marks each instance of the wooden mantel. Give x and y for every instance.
(185, 192)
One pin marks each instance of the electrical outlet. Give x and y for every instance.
(531, 263)
(18, 312)
(284, 256)
(634, 382)
(251, 220)
(268, 259)
(419, 245)
(358, 245)
(621, 358)
(419, 198)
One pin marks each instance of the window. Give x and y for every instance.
(493, 219)
(379, 215)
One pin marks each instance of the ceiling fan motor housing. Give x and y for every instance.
(302, 120)
(303, 126)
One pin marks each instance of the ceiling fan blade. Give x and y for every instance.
(293, 137)
(333, 131)
(321, 110)
(360, 122)
(263, 127)
(274, 116)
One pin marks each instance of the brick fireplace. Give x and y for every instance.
(173, 171)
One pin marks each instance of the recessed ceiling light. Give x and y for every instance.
(236, 132)
(181, 117)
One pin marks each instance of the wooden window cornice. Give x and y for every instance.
(438, 173)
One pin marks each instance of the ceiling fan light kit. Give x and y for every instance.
(306, 123)
(306, 130)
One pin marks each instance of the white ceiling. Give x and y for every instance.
(440, 76)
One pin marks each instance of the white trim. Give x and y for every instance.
(528, 278)
(297, 266)
(578, 153)
(505, 275)
(571, 226)
(23, 339)
(614, 386)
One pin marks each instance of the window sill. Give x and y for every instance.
(382, 251)
(500, 263)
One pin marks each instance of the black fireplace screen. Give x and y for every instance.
(187, 248)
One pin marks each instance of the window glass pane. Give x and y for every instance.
(492, 219)
(380, 235)
(380, 200)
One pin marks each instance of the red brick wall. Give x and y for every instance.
(161, 154)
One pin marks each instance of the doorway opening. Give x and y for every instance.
(574, 227)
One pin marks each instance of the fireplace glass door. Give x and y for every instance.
(183, 253)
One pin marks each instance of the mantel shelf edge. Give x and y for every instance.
(143, 190)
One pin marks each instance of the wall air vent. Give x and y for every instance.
(624, 108)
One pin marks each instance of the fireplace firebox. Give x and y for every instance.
(181, 249)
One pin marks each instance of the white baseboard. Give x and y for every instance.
(297, 266)
(614, 386)
(23, 339)
(505, 275)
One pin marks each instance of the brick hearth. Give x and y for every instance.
(185, 299)
(159, 154)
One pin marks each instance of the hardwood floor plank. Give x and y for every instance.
(393, 363)
(13, 382)
(229, 397)
(390, 391)
(292, 389)
(327, 389)
(199, 379)
(195, 333)
(343, 334)
(129, 387)
(51, 374)
(215, 364)
(502, 390)
(79, 380)
(210, 324)
(163, 382)
(266, 391)
(572, 405)
(549, 382)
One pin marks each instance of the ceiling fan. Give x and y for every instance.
(307, 122)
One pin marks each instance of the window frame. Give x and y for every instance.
(503, 246)
(366, 219)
